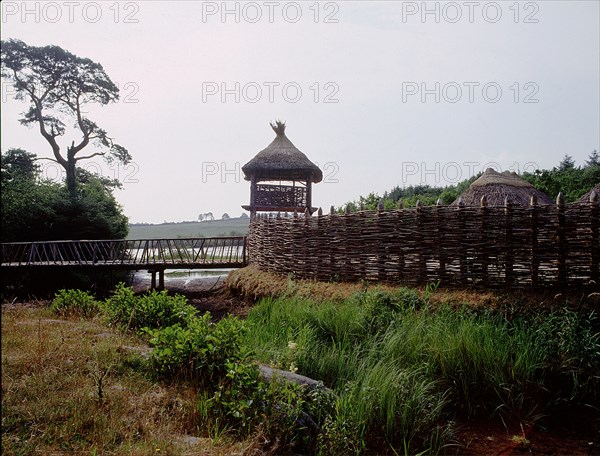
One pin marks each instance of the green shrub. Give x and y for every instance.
(74, 303)
(199, 351)
(213, 356)
(235, 398)
(153, 309)
(292, 415)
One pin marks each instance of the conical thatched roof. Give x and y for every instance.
(498, 186)
(586, 198)
(281, 160)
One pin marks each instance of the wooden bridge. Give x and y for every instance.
(156, 255)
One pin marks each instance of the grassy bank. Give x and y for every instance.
(404, 369)
(398, 369)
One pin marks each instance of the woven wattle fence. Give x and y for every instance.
(511, 246)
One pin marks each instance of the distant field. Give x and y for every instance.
(231, 227)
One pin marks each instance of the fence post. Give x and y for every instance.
(362, 254)
(332, 242)
(268, 258)
(291, 235)
(422, 260)
(307, 239)
(320, 245)
(439, 226)
(595, 215)
(397, 241)
(510, 259)
(562, 239)
(533, 227)
(254, 242)
(462, 266)
(381, 254)
(343, 247)
(484, 244)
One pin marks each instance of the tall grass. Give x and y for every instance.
(487, 363)
(401, 368)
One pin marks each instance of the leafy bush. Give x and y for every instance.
(153, 309)
(231, 392)
(235, 398)
(199, 351)
(74, 303)
(288, 416)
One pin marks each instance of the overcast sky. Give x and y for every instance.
(378, 94)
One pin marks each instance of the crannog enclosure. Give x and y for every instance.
(506, 246)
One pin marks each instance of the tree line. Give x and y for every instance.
(572, 180)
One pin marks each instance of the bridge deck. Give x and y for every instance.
(152, 254)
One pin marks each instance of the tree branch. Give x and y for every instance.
(86, 133)
(45, 158)
(50, 138)
(90, 156)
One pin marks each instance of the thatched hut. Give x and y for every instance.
(280, 162)
(498, 187)
(586, 198)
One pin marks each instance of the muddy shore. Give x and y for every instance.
(205, 293)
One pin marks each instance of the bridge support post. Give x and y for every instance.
(161, 279)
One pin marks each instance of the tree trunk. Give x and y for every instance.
(71, 177)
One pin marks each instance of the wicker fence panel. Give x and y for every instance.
(510, 246)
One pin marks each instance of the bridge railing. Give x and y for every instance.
(193, 252)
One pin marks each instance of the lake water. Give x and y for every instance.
(182, 277)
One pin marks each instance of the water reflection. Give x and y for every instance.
(184, 277)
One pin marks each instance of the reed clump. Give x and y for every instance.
(404, 369)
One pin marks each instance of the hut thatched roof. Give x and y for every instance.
(498, 186)
(586, 198)
(281, 160)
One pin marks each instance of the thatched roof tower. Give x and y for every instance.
(586, 198)
(500, 186)
(280, 161)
